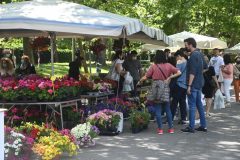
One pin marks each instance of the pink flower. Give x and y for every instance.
(42, 86)
(50, 91)
(15, 88)
(16, 117)
(29, 140)
(14, 110)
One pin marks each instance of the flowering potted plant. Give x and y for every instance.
(106, 120)
(102, 87)
(48, 142)
(85, 134)
(97, 47)
(17, 145)
(41, 43)
(33, 88)
(139, 120)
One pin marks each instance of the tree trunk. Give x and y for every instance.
(83, 54)
(27, 49)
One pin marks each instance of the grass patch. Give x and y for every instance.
(61, 69)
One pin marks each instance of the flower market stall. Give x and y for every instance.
(33, 18)
(70, 20)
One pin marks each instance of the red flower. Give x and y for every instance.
(34, 133)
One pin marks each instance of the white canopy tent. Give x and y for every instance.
(203, 42)
(38, 17)
(66, 19)
(234, 49)
(152, 47)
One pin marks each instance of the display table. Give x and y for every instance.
(95, 97)
(52, 105)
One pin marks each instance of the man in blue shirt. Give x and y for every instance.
(195, 82)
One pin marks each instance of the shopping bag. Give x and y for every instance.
(219, 100)
(220, 78)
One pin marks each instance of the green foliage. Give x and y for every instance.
(217, 18)
(13, 43)
(139, 119)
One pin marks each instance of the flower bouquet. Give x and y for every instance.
(107, 121)
(85, 134)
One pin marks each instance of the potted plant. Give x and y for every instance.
(72, 117)
(139, 120)
(107, 121)
(85, 134)
(17, 145)
(48, 142)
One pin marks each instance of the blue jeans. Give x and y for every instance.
(158, 108)
(179, 97)
(194, 100)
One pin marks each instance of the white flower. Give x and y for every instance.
(81, 130)
(6, 150)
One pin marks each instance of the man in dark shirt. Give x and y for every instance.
(195, 81)
(133, 65)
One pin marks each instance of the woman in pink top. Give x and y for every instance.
(166, 73)
(227, 71)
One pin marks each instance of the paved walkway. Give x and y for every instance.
(221, 142)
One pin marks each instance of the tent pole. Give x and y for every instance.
(73, 48)
(53, 44)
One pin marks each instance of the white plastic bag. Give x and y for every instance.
(203, 100)
(220, 78)
(219, 100)
(120, 125)
(128, 78)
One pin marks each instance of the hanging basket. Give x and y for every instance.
(44, 48)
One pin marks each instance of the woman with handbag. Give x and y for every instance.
(161, 73)
(210, 86)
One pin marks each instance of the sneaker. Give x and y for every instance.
(171, 130)
(187, 129)
(159, 131)
(227, 104)
(201, 129)
(197, 121)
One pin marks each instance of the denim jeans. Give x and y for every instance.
(179, 97)
(158, 108)
(194, 100)
(227, 84)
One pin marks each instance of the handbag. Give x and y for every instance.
(159, 91)
(209, 80)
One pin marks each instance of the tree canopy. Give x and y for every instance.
(217, 18)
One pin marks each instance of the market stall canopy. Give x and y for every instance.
(152, 47)
(66, 19)
(234, 49)
(203, 42)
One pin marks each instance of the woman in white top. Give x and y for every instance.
(117, 72)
